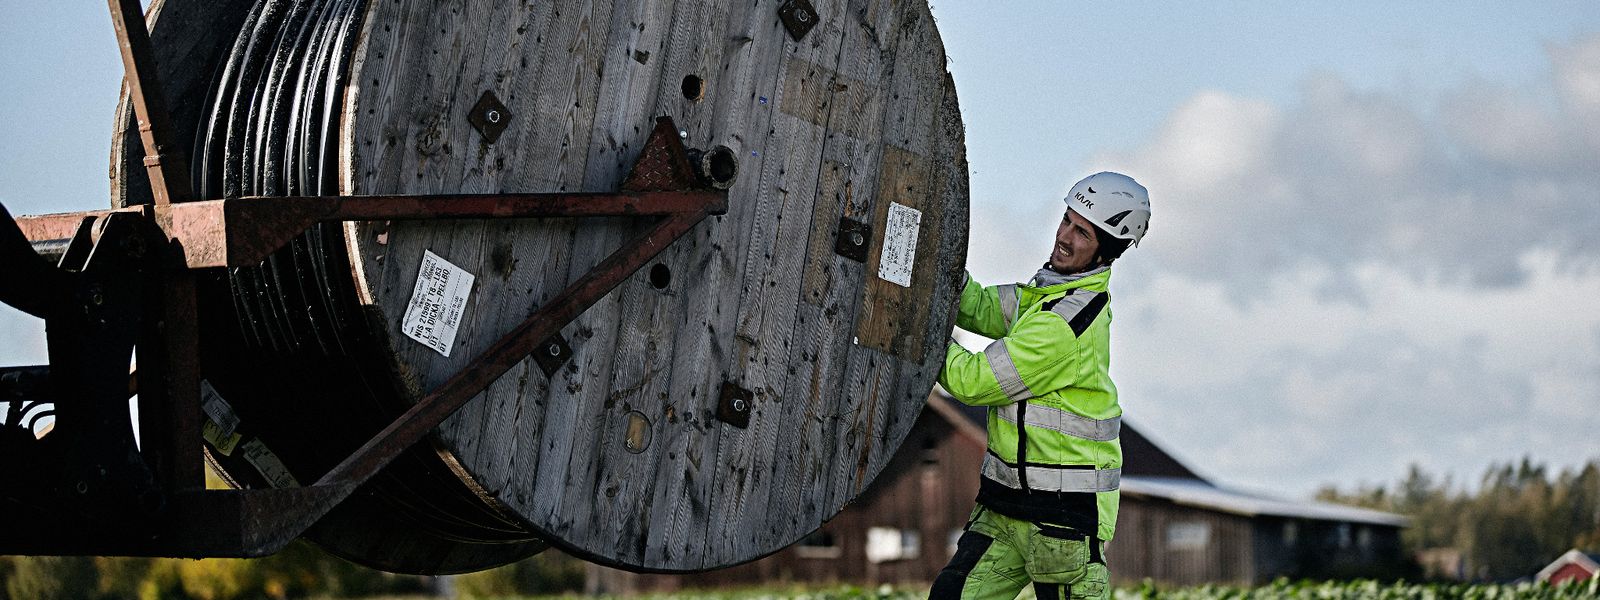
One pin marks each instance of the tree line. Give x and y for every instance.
(1518, 518)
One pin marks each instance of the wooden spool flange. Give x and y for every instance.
(723, 401)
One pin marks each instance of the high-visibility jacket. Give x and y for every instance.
(1048, 368)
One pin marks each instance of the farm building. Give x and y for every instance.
(1573, 565)
(1175, 526)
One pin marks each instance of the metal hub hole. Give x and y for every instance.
(694, 88)
(660, 276)
(638, 436)
(721, 167)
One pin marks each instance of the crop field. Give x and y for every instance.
(1285, 590)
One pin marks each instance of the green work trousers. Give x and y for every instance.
(998, 555)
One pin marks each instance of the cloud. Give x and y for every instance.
(1299, 389)
(1341, 178)
(1349, 281)
(1577, 76)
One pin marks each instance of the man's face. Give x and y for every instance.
(1075, 244)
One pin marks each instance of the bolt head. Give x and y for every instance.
(492, 116)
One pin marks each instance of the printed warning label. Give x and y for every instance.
(899, 244)
(222, 443)
(437, 302)
(217, 409)
(265, 461)
(220, 420)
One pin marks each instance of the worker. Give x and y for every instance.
(1047, 501)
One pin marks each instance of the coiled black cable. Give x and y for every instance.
(273, 129)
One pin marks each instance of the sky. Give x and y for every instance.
(1376, 231)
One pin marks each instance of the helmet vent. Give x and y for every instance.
(1116, 219)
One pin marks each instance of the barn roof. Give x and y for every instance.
(1201, 494)
(1589, 562)
(1150, 471)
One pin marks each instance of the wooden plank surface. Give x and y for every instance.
(837, 124)
(311, 405)
(857, 114)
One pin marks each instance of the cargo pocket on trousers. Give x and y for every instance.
(1056, 556)
(1095, 584)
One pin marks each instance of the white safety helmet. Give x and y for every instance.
(1114, 202)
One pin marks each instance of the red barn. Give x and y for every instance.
(1175, 526)
(1572, 566)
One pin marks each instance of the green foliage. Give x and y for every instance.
(544, 573)
(1519, 519)
(841, 592)
(299, 571)
(1284, 589)
(52, 578)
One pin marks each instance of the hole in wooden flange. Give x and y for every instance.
(660, 276)
(719, 167)
(638, 438)
(694, 88)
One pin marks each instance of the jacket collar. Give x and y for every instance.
(1047, 278)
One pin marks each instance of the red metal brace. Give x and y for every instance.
(242, 232)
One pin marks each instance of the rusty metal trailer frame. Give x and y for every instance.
(125, 277)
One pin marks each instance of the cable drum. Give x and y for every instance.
(273, 130)
(287, 356)
(717, 405)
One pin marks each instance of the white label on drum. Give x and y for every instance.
(437, 303)
(220, 420)
(899, 244)
(217, 409)
(267, 462)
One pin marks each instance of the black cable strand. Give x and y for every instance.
(274, 129)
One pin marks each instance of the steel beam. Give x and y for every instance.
(167, 165)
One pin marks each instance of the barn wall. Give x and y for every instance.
(928, 488)
(1570, 572)
(1298, 548)
(1179, 545)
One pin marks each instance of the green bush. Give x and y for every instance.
(52, 578)
(1308, 590)
(549, 572)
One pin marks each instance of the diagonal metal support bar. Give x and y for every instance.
(245, 523)
(509, 350)
(242, 232)
(166, 164)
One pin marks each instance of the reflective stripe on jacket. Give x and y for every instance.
(1047, 368)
